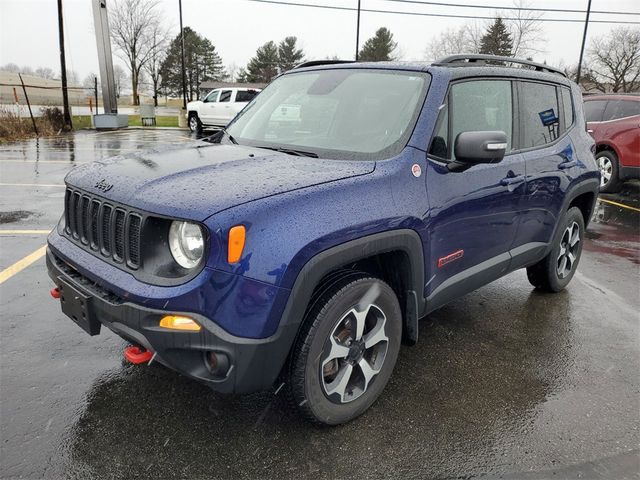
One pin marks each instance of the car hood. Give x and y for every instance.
(198, 181)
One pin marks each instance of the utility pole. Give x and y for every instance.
(63, 71)
(358, 32)
(184, 73)
(584, 40)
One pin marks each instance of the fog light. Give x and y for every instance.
(176, 322)
(217, 363)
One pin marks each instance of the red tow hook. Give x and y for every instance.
(55, 292)
(137, 355)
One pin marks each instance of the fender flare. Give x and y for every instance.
(405, 240)
(590, 185)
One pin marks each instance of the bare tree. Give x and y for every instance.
(525, 29)
(10, 67)
(45, 72)
(132, 24)
(159, 37)
(464, 39)
(120, 78)
(615, 59)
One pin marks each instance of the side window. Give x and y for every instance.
(245, 95)
(212, 97)
(481, 105)
(594, 110)
(225, 96)
(567, 107)
(440, 142)
(539, 122)
(620, 109)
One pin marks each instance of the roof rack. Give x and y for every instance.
(479, 60)
(314, 63)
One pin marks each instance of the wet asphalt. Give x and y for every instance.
(505, 382)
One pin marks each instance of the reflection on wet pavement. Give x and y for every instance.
(504, 382)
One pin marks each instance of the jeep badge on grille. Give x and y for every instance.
(103, 186)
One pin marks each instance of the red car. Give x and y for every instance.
(614, 122)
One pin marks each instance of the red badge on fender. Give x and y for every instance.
(442, 261)
(416, 170)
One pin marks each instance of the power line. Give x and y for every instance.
(495, 7)
(442, 15)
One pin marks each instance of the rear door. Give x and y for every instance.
(475, 213)
(620, 128)
(224, 111)
(546, 116)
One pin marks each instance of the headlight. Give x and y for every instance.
(186, 243)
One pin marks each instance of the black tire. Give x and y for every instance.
(608, 165)
(195, 125)
(331, 310)
(548, 274)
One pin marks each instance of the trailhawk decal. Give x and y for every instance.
(442, 261)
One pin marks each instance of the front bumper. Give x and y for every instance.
(253, 364)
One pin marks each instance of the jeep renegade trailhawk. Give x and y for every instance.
(305, 251)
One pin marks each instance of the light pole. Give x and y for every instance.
(184, 74)
(358, 32)
(63, 70)
(584, 40)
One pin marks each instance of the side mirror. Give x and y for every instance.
(472, 148)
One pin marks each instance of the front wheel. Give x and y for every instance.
(195, 125)
(346, 350)
(554, 272)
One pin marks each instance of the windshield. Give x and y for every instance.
(340, 113)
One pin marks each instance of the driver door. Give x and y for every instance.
(475, 212)
(208, 111)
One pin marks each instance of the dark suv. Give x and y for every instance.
(304, 252)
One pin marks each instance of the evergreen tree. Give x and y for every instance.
(378, 48)
(288, 54)
(201, 61)
(241, 76)
(264, 65)
(497, 40)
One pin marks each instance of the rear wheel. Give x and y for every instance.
(346, 350)
(555, 271)
(608, 165)
(195, 125)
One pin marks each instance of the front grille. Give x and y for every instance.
(101, 226)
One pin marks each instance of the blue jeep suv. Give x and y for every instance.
(302, 244)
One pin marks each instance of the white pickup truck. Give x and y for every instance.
(219, 107)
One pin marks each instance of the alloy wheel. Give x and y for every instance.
(606, 170)
(354, 353)
(569, 248)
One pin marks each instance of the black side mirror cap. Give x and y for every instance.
(472, 148)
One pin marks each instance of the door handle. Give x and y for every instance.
(569, 164)
(509, 181)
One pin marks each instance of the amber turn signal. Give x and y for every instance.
(237, 236)
(176, 322)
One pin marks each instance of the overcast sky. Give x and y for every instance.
(28, 28)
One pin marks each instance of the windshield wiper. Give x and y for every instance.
(291, 151)
(217, 137)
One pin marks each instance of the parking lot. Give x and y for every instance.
(505, 382)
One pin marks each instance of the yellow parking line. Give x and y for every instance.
(24, 232)
(20, 265)
(619, 204)
(32, 185)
